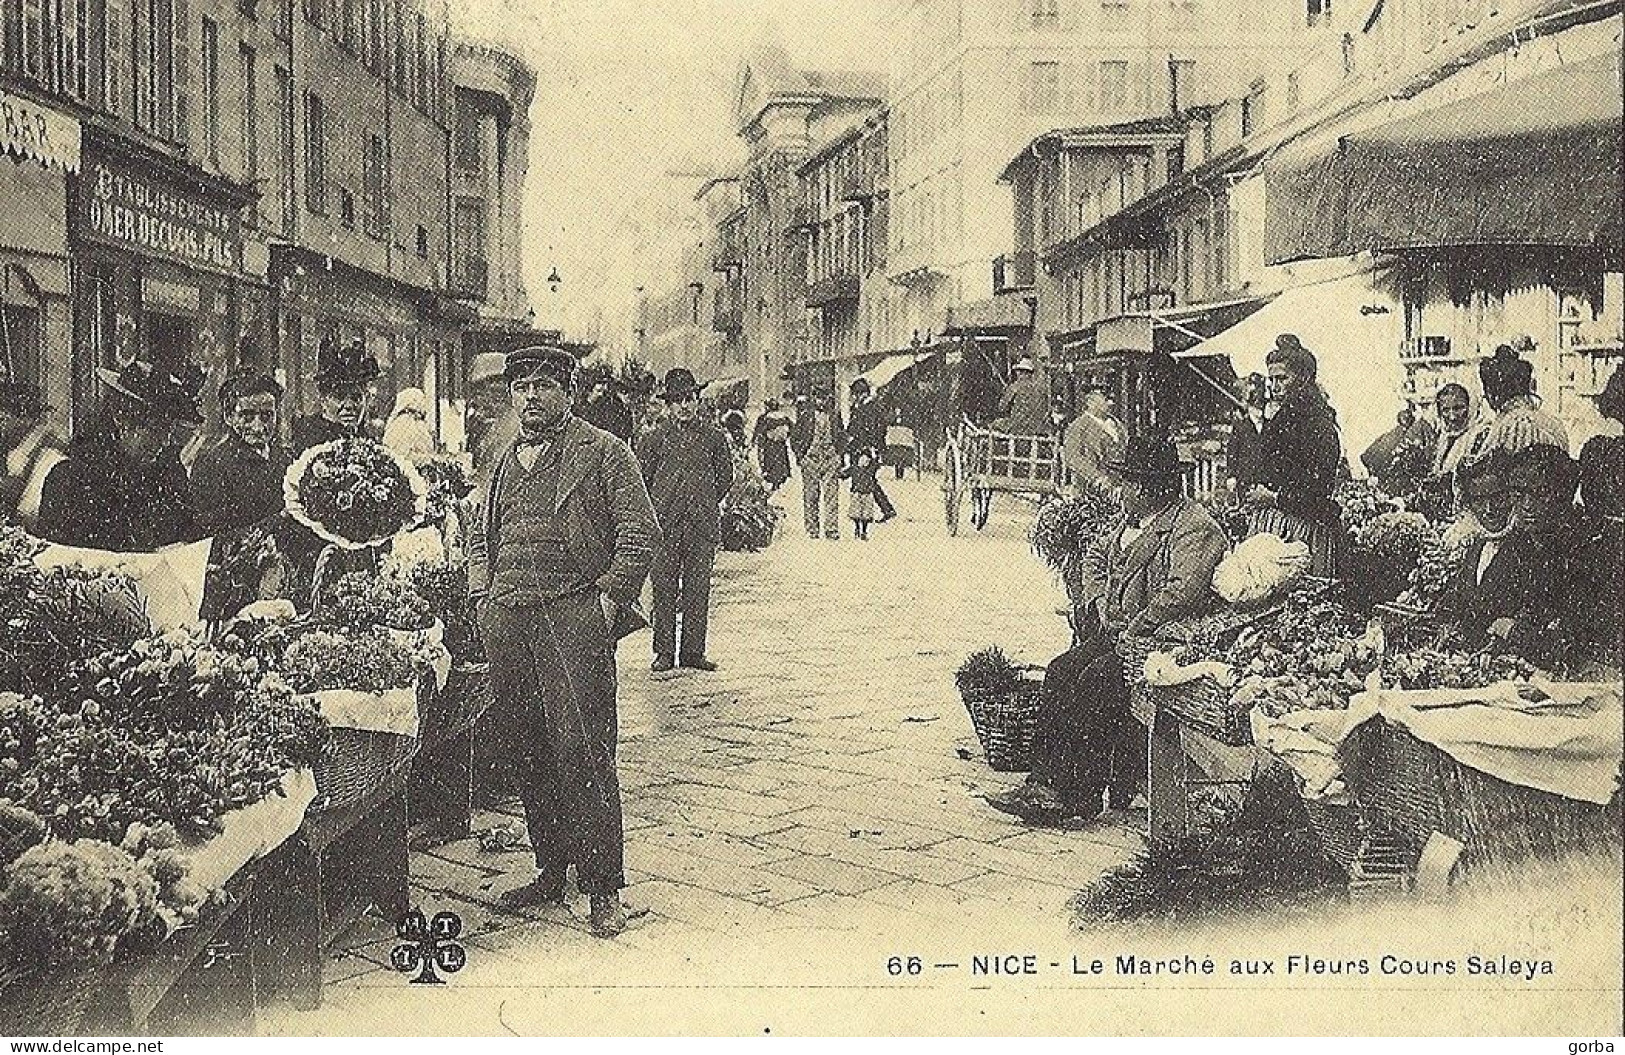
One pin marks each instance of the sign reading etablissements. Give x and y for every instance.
(141, 213)
(29, 130)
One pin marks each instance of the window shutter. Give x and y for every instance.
(182, 89)
(116, 61)
(34, 64)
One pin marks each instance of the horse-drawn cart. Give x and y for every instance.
(981, 462)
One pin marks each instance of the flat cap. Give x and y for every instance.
(540, 358)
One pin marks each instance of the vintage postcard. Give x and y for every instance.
(843, 517)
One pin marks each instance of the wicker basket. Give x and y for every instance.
(1339, 827)
(1205, 705)
(1419, 790)
(1004, 725)
(359, 763)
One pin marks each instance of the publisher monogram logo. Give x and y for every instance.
(427, 944)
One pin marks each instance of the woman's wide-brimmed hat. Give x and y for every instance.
(168, 394)
(1148, 458)
(351, 365)
(678, 385)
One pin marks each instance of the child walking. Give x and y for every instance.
(862, 472)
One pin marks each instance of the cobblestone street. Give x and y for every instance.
(811, 809)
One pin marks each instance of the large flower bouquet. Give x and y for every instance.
(1437, 563)
(354, 493)
(1063, 531)
(444, 585)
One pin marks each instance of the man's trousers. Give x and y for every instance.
(553, 675)
(821, 492)
(1085, 738)
(681, 579)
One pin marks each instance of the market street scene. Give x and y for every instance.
(1069, 517)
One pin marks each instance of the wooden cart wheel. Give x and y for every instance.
(953, 486)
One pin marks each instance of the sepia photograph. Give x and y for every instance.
(876, 518)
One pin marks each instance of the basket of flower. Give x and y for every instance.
(1002, 698)
(448, 486)
(354, 493)
(366, 684)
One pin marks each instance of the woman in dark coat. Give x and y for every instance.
(122, 486)
(773, 444)
(1301, 455)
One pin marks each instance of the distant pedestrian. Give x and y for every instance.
(862, 472)
(772, 437)
(819, 441)
(344, 380)
(688, 467)
(1024, 406)
(1093, 440)
(867, 432)
(902, 450)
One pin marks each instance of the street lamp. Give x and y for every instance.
(554, 280)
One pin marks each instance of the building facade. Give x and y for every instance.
(973, 81)
(228, 182)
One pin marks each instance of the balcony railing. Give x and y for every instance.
(471, 278)
(832, 289)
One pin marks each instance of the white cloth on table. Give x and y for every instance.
(250, 833)
(170, 580)
(1563, 738)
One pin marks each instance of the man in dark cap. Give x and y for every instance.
(344, 380)
(28, 451)
(122, 486)
(556, 564)
(689, 469)
(866, 432)
(1155, 566)
(238, 482)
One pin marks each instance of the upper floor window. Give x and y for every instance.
(211, 89)
(469, 150)
(315, 154)
(1046, 14)
(1043, 87)
(1181, 85)
(374, 188)
(1113, 84)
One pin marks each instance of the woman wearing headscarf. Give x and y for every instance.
(1517, 423)
(408, 431)
(1301, 456)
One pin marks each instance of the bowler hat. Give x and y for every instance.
(540, 358)
(860, 385)
(679, 385)
(1148, 458)
(1095, 386)
(349, 365)
(168, 394)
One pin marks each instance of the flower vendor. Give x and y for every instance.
(238, 482)
(344, 380)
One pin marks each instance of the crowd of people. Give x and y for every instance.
(1541, 580)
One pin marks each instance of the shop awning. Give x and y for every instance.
(727, 389)
(1535, 162)
(1357, 349)
(30, 130)
(1168, 331)
(885, 371)
(1002, 314)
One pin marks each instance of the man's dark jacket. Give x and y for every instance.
(100, 498)
(609, 525)
(234, 487)
(689, 469)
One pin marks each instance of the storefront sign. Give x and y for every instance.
(181, 295)
(30, 130)
(138, 212)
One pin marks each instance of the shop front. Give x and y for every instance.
(414, 335)
(39, 151)
(157, 251)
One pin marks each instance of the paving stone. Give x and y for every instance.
(830, 875)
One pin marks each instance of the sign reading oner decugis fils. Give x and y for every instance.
(135, 212)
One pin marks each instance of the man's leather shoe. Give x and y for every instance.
(662, 664)
(607, 918)
(534, 894)
(699, 664)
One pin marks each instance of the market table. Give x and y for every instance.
(1180, 760)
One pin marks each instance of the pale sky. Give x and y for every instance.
(627, 92)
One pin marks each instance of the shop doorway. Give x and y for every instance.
(169, 339)
(21, 352)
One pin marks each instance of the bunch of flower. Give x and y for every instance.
(448, 484)
(1432, 668)
(1063, 531)
(72, 902)
(1393, 537)
(1313, 653)
(1360, 500)
(359, 601)
(987, 673)
(444, 585)
(1437, 563)
(370, 661)
(354, 492)
(94, 770)
(748, 526)
(51, 618)
(171, 681)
